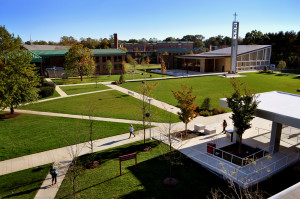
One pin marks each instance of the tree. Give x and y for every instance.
(170, 39)
(8, 42)
(19, 80)
(243, 105)
(187, 104)
(79, 60)
(131, 61)
(123, 48)
(108, 67)
(104, 44)
(145, 90)
(132, 41)
(18, 77)
(281, 65)
(68, 41)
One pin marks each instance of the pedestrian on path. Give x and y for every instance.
(131, 129)
(53, 173)
(224, 126)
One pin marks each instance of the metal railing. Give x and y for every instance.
(242, 160)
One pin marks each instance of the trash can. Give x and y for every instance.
(211, 148)
(229, 134)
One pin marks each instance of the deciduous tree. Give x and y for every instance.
(108, 67)
(243, 104)
(186, 103)
(79, 60)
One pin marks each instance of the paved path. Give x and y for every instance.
(61, 92)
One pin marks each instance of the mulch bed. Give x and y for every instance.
(92, 165)
(5, 116)
(245, 152)
(187, 135)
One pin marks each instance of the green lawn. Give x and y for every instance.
(146, 180)
(23, 184)
(112, 104)
(27, 134)
(217, 87)
(107, 78)
(70, 90)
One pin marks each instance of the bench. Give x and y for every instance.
(210, 130)
(199, 127)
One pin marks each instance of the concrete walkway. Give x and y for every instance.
(60, 92)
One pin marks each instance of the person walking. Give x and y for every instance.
(224, 126)
(131, 129)
(53, 173)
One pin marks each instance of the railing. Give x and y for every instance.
(235, 173)
(242, 160)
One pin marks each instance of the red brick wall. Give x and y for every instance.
(57, 61)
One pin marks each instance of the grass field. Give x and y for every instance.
(112, 104)
(23, 184)
(27, 134)
(107, 78)
(70, 90)
(217, 87)
(144, 182)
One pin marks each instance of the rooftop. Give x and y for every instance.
(277, 106)
(62, 52)
(45, 47)
(226, 52)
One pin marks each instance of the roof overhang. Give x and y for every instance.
(276, 106)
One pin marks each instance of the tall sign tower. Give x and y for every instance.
(234, 44)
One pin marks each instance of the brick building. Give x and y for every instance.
(51, 58)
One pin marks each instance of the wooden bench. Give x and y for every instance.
(199, 127)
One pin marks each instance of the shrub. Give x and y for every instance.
(206, 104)
(46, 91)
(265, 69)
(215, 111)
(122, 79)
(205, 113)
(49, 84)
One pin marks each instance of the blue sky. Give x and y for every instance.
(51, 19)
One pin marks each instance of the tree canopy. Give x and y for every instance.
(19, 79)
(79, 61)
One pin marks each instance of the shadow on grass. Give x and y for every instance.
(297, 77)
(110, 143)
(194, 180)
(21, 193)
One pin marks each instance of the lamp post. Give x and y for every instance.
(149, 99)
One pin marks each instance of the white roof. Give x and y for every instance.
(277, 106)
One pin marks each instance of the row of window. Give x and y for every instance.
(104, 59)
(116, 67)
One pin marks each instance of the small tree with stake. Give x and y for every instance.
(243, 105)
(187, 104)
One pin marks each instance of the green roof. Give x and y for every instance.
(50, 53)
(96, 52)
(35, 57)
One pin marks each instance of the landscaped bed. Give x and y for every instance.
(248, 154)
(23, 184)
(185, 135)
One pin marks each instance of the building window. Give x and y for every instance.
(97, 59)
(98, 67)
(120, 67)
(108, 58)
(104, 59)
(115, 66)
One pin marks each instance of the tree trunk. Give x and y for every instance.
(12, 111)
(240, 144)
(185, 128)
(81, 77)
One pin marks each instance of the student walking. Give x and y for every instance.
(53, 173)
(224, 126)
(131, 129)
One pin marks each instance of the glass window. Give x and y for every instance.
(97, 59)
(104, 59)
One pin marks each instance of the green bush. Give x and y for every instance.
(49, 84)
(122, 79)
(46, 91)
(206, 104)
(265, 69)
(205, 113)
